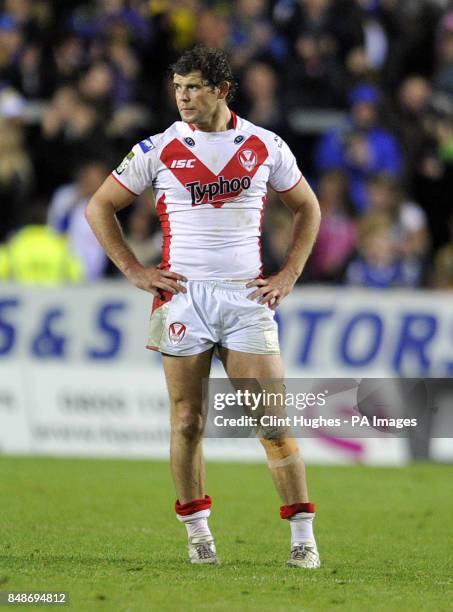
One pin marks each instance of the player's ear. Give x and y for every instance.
(224, 89)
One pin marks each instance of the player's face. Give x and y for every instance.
(196, 100)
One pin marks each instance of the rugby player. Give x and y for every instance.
(210, 173)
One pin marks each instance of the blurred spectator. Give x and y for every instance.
(96, 88)
(125, 73)
(58, 112)
(143, 236)
(16, 177)
(11, 42)
(379, 264)
(213, 28)
(63, 201)
(179, 18)
(376, 43)
(410, 28)
(337, 233)
(363, 147)
(444, 135)
(263, 104)
(128, 124)
(67, 197)
(34, 17)
(443, 80)
(319, 20)
(24, 29)
(443, 263)
(174, 28)
(408, 218)
(32, 77)
(71, 131)
(36, 254)
(412, 102)
(12, 105)
(253, 35)
(433, 176)
(357, 69)
(276, 229)
(67, 214)
(69, 60)
(319, 44)
(95, 19)
(315, 77)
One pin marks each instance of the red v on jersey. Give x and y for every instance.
(205, 186)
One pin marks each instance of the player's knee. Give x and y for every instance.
(188, 424)
(281, 451)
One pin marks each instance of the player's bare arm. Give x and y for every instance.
(303, 203)
(101, 215)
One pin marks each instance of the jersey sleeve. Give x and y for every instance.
(136, 172)
(285, 173)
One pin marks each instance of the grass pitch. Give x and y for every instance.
(105, 532)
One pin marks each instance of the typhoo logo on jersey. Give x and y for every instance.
(221, 187)
(176, 332)
(204, 185)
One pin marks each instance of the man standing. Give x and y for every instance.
(210, 174)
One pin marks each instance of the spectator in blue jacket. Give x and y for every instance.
(378, 264)
(362, 148)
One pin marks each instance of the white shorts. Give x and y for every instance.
(212, 313)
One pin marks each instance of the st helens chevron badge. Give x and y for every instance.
(247, 159)
(176, 332)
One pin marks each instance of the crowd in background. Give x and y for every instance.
(81, 82)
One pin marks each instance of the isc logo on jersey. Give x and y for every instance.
(183, 163)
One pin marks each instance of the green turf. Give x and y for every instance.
(105, 532)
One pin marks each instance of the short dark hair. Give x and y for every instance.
(211, 62)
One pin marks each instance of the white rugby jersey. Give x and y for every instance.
(210, 190)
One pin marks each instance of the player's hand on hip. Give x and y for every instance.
(272, 290)
(155, 280)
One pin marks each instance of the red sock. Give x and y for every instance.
(195, 505)
(286, 512)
